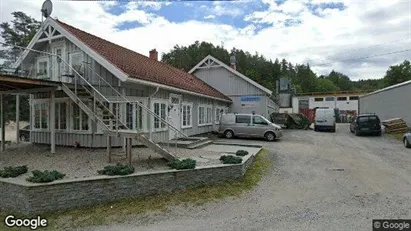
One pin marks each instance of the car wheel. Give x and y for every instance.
(356, 132)
(23, 138)
(351, 130)
(379, 133)
(406, 143)
(315, 128)
(269, 136)
(229, 134)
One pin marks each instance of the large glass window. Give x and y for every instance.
(80, 119)
(41, 116)
(61, 116)
(187, 117)
(160, 109)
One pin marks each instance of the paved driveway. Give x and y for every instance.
(319, 181)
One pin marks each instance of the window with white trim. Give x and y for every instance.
(43, 68)
(160, 109)
(187, 118)
(209, 115)
(80, 119)
(205, 115)
(41, 115)
(129, 115)
(61, 115)
(218, 112)
(76, 61)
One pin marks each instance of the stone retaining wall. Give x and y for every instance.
(34, 199)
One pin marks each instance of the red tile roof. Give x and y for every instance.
(142, 67)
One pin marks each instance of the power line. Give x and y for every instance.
(365, 57)
(363, 48)
(376, 45)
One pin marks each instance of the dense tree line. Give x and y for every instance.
(266, 72)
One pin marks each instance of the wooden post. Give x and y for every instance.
(53, 122)
(2, 124)
(129, 154)
(109, 148)
(17, 119)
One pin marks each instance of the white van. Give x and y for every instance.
(324, 119)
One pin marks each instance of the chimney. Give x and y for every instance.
(154, 54)
(232, 59)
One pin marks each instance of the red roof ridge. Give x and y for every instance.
(127, 60)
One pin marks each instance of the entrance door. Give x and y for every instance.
(174, 115)
(57, 65)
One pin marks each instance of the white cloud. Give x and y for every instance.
(328, 39)
(209, 16)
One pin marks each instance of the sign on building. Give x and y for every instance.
(250, 101)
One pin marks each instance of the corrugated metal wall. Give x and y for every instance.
(392, 103)
(234, 87)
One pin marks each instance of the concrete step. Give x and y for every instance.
(200, 144)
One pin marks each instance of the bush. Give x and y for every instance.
(13, 171)
(231, 159)
(116, 170)
(183, 164)
(46, 176)
(241, 153)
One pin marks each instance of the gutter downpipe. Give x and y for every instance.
(149, 106)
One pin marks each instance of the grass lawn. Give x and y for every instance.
(116, 212)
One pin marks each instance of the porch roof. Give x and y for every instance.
(10, 84)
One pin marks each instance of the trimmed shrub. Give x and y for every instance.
(13, 171)
(231, 159)
(183, 164)
(116, 170)
(45, 177)
(241, 153)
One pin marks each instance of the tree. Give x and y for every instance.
(340, 80)
(325, 85)
(20, 32)
(398, 74)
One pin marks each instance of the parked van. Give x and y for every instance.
(248, 125)
(324, 119)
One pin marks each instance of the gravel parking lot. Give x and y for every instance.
(319, 181)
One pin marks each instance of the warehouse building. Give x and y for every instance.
(247, 95)
(388, 103)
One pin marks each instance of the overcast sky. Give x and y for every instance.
(328, 34)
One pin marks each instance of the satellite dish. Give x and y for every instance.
(47, 8)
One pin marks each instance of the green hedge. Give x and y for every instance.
(46, 176)
(241, 153)
(231, 159)
(183, 164)
(13, 171)
(116, 170)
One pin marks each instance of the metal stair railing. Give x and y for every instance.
(139, 104)
(99, 94)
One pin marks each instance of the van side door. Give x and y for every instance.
(259, 126)
(242, 125)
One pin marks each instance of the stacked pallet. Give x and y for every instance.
(396, 125)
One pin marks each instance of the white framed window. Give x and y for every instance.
(218, 112)
(80, 120)
(135, 116)
(160, 109)
(187, 115)
(205, 115)
(76, 61)
(41, 115)
(43, 68)
(61, 115)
